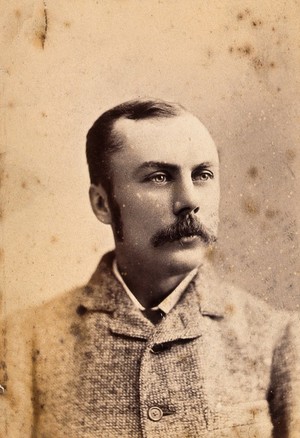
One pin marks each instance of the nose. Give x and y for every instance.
(185, 198)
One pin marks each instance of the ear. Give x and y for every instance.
(99, 203)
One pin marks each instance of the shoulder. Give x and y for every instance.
(241, 313)
(19, 329)
(257, 314)
(249, 305)
(63, 307)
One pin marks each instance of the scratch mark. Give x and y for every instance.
(44, 34)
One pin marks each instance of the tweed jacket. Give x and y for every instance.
(89, 364)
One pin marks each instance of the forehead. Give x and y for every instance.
(176, 140)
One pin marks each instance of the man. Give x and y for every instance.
(154, 345)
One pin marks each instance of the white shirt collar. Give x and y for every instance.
(169, 302)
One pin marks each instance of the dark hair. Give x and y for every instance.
(102, 141)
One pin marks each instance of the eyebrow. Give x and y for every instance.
(158, 165)
(172, 167)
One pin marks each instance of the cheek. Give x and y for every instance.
(142, 204)
(211, 200)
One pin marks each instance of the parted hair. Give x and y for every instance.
(102, 141)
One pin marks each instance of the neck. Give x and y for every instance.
(149, 287)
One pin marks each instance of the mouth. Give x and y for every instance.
(188, 239)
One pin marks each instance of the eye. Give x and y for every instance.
(202, 175)
(158, 178)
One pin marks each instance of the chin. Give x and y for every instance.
(180, 261)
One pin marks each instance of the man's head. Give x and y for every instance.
(103, 140)
(155, 179)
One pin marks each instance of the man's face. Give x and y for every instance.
(165, 181)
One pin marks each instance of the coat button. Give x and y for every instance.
(155, 413)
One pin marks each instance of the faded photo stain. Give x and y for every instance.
(40, 29)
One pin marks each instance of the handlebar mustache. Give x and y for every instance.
(183, 227)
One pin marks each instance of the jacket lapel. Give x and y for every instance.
(104, 294)
(183, 321)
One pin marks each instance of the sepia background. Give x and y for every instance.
(233, 63)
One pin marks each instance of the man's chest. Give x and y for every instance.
(207, 385)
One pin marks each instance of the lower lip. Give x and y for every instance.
(189, 239)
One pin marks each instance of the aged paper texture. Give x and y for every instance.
(234, 64)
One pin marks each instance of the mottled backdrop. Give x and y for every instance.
(233, 63)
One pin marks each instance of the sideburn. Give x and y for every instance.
(117, 224)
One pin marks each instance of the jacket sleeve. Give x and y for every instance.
(284, 391)
(15, 378)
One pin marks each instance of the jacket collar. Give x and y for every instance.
(203, 297)
(211, 292)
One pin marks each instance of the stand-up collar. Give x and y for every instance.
(167, 304)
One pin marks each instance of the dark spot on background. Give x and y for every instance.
(44, 115)
(67, 24)
(272, 64)
(54, 239)
(17, 13)
(245, 50)
(229, 309)
(270, 213)
(242, 15)
(251, 206)
(256, 23)
(257, 63)
(41, 36)
(24, 185)
(290, 154)
(253, 172)
(35, 355)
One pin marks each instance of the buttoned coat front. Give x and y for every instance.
(89, 364)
